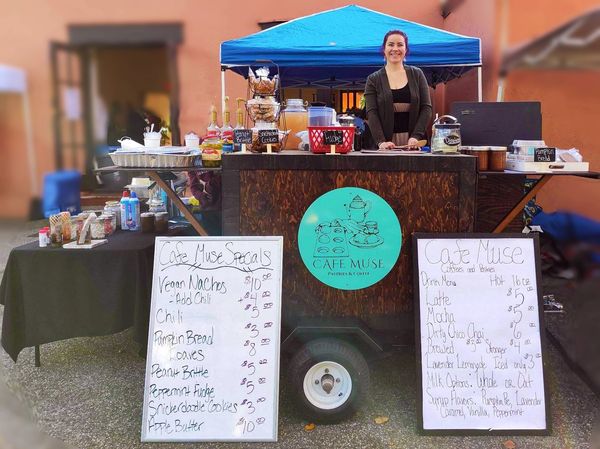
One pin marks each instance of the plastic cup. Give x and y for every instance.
(192, 142)
(152, 140)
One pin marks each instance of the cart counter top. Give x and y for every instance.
(388, 161)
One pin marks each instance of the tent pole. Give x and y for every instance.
(479, 85)
(30, 150)
(222, 89)
(501, 89)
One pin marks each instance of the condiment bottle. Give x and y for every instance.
(133, 220)
(227, 129)
(239, 124)
(124, 209)
(213, 128)
(42, 238)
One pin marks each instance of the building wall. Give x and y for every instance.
(567, 111)
(568, 98)
(569, 102)
(206, 24)
(479, 19)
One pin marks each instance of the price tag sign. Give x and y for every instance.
(333, 137)
(268, 136)
(242, 136)
(544, 155)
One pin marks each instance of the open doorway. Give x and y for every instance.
(112, 81)
(129, 92)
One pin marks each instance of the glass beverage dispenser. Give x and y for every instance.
(295, 119)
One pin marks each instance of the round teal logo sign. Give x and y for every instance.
(349, 238)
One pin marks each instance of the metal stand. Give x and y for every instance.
(177, 201)
(521, 204)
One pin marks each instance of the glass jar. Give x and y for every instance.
(110, 223)
(294, 118)
(497, 158)
(114, 207)
(211, 152)
(161, 222)
(482, 154)
(147, 222)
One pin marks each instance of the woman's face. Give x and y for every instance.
(395, 48)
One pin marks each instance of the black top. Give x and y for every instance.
(51, 294)
(401, 99)
(380, 109)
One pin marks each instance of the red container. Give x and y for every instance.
(315, 139)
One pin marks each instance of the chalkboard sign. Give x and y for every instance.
(333, 137)
(266, 136)
(242, 136)
(479, 334)
(213, 346)
(544, 155)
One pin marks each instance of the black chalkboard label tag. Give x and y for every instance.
(544, 155)
(268, 136)
(242, 136)
(333, 137)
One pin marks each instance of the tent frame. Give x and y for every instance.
(343, 83)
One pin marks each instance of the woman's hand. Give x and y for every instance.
(386, 145)
(412, 142)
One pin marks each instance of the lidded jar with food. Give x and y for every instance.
(260, 83)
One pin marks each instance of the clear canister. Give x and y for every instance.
(445, 136)
(294, 118)
(113, 207)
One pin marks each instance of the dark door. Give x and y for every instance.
(73, 145)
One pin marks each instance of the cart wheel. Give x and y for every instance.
(330, 379)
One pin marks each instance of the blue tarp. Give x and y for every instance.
(344, 45)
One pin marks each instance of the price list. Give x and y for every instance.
(213, 351)
(256, 372)
(480, 343)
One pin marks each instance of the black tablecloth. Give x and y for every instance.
(51, 294)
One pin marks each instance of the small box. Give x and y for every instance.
(62, 192)
(315, 138)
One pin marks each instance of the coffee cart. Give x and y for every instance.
(330, 332)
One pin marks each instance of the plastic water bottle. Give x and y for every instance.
(134, 213)
(124, 209)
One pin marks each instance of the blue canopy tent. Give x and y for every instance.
(341, 47)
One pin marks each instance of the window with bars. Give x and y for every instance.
(350, 99)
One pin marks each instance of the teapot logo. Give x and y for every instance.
(349, 238)
(358, 209)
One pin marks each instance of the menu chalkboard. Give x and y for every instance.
(242, 135)
(479, 334)
(333, 137)
(545, 154)
(212, 370)
(268, 136)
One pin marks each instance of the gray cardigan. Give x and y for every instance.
(380, 107)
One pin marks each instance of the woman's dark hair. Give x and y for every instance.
(388, 34)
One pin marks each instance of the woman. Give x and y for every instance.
(397, 97)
